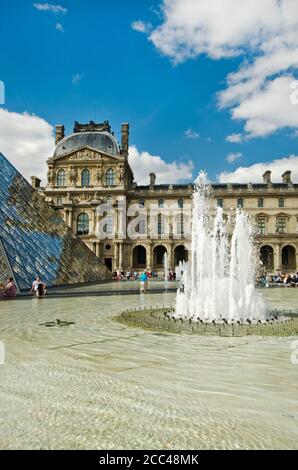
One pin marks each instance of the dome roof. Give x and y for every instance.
(102, 141)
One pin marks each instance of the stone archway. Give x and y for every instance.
(158, 255)
(267, 256)
(288, 258)
(180, 254)
(139, 257)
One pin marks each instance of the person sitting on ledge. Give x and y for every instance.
(11, 290)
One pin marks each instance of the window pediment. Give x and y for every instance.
(262, 215)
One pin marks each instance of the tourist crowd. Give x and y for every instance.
(135, 275)
(287, 280)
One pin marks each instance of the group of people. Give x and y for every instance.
(132, 275)
(38, 288)
(135, 275)
(288, 280)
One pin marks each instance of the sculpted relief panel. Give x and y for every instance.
(85, 154)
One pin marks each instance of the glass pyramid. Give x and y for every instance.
(35, 241)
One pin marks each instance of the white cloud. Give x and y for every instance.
(234, 138)
(56, 9)
(143, 163)
(141, 26)
(232, 157)
(191, 134)
(59, 27)
(26, 141)
(254, 172)
(264, 33)
(268, 109)
(77, 78)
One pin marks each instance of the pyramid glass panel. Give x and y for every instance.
(35, 241)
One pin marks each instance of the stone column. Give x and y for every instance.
(70, 217)
(170, 256)
(94, 222)
(277, 258)
(120, 265)
(116, 261)
(149, 260)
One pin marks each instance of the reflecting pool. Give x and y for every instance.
(98, 384)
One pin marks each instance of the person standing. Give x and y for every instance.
(143, 282)
(38, 287)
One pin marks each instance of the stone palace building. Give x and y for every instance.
(127, 226)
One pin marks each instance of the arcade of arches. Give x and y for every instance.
(148, 257)
(275, 257)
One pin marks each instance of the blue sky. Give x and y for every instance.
(90, 63)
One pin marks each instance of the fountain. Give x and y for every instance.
(217, 293)
(219, 281)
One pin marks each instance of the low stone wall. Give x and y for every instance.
(161, 319)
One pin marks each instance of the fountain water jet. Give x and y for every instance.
(218, 283)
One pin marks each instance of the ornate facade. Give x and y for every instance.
(128, 226)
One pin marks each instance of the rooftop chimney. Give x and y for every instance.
(35, 182)
(286, 177)
(125, 138)
(152, 179)
(59, 132)
(267, 177)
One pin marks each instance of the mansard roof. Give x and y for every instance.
(102, 141)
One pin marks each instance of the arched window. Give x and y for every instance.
(281, 201)
(281, 224)
(160, 224)
(110, 177)
(85, 178)
(260, 202)
(180, 203)
(141, 202)
(61, 178)
(240, 202)
(141, 226)
(83, 224)
(108, 226)
(180, 224)
(219, 202)
(261, 225)
(160, 203)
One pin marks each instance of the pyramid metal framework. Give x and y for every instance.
(35, 241)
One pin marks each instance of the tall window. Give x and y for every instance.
(83, 224)
(160, 224)
(141, 202)
(281, 225)
(61, 178)
(220, 202)
(180, 203)
(59, 200)
(141, 227)
(110, 177)
(281, 201)
(240, 202)
(160, 203)
(260, 202)
(85, 178)
(108, 227)
(261, 225)
(180, 224)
